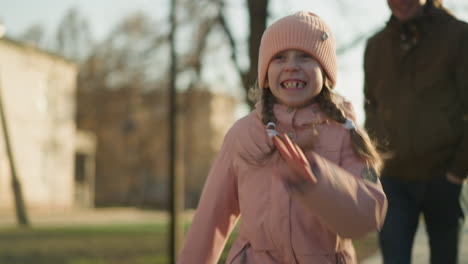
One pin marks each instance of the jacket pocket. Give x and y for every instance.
(312, 237)
(261, 240)
(322, 259)
(344, 258)
(337, 258)
(238, 253)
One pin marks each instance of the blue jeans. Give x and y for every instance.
(443, 205)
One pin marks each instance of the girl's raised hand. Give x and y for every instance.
(295, 159)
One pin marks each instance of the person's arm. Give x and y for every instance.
(348, 197)
(217, 211)
(459, 168)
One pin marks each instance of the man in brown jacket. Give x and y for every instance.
(416, 90)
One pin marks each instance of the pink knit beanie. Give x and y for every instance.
(303, 31)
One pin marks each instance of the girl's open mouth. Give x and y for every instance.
(295, 84)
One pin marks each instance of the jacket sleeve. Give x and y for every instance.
(348, 197)
(217, 211)
(460, 163)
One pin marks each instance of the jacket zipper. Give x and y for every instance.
(290, 230)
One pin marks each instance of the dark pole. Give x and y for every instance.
(176, 188)
(21, 215)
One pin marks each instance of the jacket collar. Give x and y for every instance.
(423, 21)
(297, 117)
(410, 33)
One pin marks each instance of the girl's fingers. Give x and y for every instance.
(292, 151)
(301, 154)
(290, 145)
(294, 148)
(295, 158)
(285, 153)
(282, 147)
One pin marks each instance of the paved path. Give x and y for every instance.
(421, 249)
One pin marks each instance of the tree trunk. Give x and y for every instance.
(258, 13)
(176, 190)
(21, 214)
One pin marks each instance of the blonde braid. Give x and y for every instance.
(362, 144)
(326, 100)
(268, 101)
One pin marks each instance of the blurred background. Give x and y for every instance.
(84, 85)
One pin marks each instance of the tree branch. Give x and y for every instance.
(232, 43)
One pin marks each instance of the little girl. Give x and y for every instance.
(297, 169)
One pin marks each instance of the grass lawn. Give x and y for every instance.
(101, 244)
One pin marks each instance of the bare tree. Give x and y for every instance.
(34, 35)
(73, 37)
(114, 85)
(133, 61)
(258, 14)
(21, 213)
(176, 183)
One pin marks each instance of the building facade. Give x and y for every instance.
(131, 128)
(38, 94)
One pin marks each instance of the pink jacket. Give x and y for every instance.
(280, 225)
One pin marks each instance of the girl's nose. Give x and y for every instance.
(291, 64)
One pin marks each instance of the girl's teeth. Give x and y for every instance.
(293, 85)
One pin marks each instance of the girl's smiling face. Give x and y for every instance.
(294, 77)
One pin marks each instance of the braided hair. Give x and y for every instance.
(362, 144)
(328, 102)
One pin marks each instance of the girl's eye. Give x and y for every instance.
(278, 57)
(305, 56)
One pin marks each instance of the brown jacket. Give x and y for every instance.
(280, 225)
(416, 89)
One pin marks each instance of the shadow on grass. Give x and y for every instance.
(139, 243)
(103, 244)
